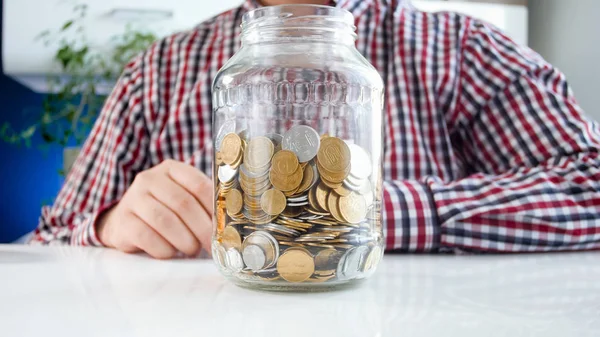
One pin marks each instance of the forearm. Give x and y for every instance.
(551, 207)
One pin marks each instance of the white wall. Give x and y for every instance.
(567, 34)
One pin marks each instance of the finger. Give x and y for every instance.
(181, 202)
(167, 224)
(194, 181)
(148, 240)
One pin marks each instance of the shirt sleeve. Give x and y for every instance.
(109, 159)
(533, 157)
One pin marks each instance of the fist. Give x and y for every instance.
(166, 210)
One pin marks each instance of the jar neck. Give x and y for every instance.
(297, 24)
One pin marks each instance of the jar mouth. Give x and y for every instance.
(298, 22)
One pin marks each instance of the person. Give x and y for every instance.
(486, 148)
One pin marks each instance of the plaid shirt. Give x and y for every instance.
(486, 148)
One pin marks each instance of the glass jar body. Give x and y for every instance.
(297, 166)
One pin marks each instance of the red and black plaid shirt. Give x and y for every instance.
(486, 148)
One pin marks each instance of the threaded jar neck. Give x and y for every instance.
(298, 23)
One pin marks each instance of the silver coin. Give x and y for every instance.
(303, 140)
(254, 257)
(341, 267)
(275, 138)
(310, 217)
(219, 254)
(226, 173)
(234, 260)
(270, 241)
(294, 204)
(298, 199)
(354, 261)
(360, 162)
(227, 127)
(253, 175)
(351, 186)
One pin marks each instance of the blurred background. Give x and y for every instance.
(61, 57)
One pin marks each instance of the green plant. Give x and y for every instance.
(70, 108)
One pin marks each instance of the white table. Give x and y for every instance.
(65, 291)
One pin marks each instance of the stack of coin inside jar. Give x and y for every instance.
(297, 207)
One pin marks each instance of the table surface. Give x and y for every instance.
(71, 291)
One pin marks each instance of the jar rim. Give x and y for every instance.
(286, 12)
(296, 18)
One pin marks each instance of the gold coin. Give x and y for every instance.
(372, 259)
(220, 215)
(322, 194)
(231, 148)
(333, 177)
(307, 178)
(292, 211)
(312, 198)
(285, 163)
(330, 185)
(263, 221)
(290, 243)
(333, 205)
(259, 152)
(327, 258)
(238, 161)
(334, 154)
(234, 202)
(353, 208)
(343, 191)
(295, 265)
(231, 238)
(288, 183)
(291, 193)
(219, 158)
(273, 202)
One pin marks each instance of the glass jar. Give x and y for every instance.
(298, 153)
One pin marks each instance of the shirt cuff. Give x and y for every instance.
(84, 231)
(409, 217)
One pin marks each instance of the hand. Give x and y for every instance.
(166, 210)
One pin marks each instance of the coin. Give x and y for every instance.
(342, 191)
(276, 138)
(334, 154)
(231, 238)
(333, 205)
(307, 179)
(286, 183)
(336, 177)
(254, 257)
(226, 173)
(373, 259)
(354, 261)
(360, 162)
(303, 141)
(227, 128)
(353, 208)
(219, 254)
(273, 202)
(234, 260)
(295, 265)
(231, 148)
(259, 152)
(292, 211)
(234, 202)
(322, 193)
(284, 163)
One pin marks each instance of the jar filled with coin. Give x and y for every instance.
(297, 153)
